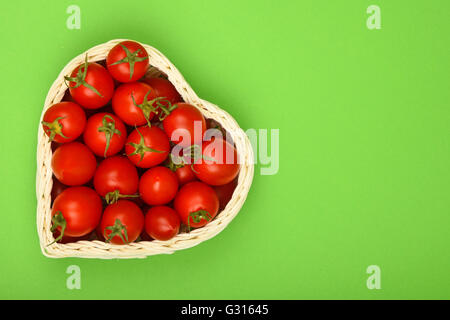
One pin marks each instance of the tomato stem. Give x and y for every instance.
(165, 109)
(54, 127)
(116, 230)
(58, 221)
(109, 128)
(147, 106)
(140, 148)
(131, 59)
(197, 216)
(114, 196)
(80, 78)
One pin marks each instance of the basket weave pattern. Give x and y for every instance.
(102, 250)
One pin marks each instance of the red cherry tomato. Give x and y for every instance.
(185, 174)
(185, 125)
(115, 178)
(225, 193)
(218, 164)
(64, 122)
(127, 61)
(90, 85)
(196, 203)
(122, 222)
(105, 134)
(134, 103)
(158, 186)
(162, 223)
(73, 164)
(164, 88)
(76, 212)
(147, 147)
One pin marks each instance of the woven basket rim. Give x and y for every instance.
(141, 249)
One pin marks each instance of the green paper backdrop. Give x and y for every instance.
(364, 146)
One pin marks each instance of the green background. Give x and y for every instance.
(364, 146)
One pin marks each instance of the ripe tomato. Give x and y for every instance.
(127, 61)
(225, 193)
(64, 122)
(133, 103)
(185, 174)
(76, 212)
(122, 222)
(218, 164)
(182, 170)
(73, 164)
(185, 119)
(147, 147)
(158, 186)
(105, 134)
(196, 204)
(162, 223)
(115, 178)
(164, 88)
(90, 85)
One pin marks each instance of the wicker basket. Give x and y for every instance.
(102, 250)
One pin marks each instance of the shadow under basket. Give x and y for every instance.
(99, 249)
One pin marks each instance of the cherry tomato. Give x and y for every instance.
(162, 223)
(185, 174)
(196, 203)
(105, 134)
(127, 61)
(73, 164)
(76, 212)
(218, 164)
(158, 186)
(182, 170)
(64, 122)
(185, 125)
(115, 178)
(122, 222)
(147, 147)
(134, 103)
(164, 88)
(90, 85)
(225, 193)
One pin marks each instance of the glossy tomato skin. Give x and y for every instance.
(153, 138)
(219, 164)
(99, 78)
(225, 193)
(81, 207)
(162, 223)
(158, 186)
(124, 107)
(185, 118)
(129, 214)
(185, 174)
(73, 164)
(121, 72)
(96, 139)
(116, 173)
(193, 197)
(70, 125)
(164, 88)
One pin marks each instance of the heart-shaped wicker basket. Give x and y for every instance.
(141, 249)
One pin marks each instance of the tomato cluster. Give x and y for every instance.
(115, 138)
